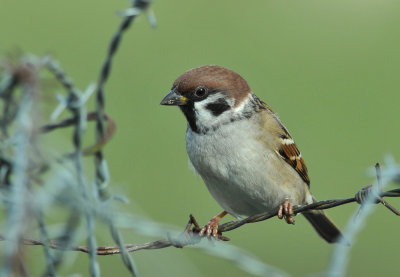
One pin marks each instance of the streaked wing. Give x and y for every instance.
(287, 148)
(291, 154)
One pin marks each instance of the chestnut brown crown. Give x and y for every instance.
(213, 78)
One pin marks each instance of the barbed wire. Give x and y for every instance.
(101, 169)
(190, 235)
(105, 128)
(18, 204)
(74, 102)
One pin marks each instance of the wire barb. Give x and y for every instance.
(363, 194)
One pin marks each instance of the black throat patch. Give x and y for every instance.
(188, 111)
(218, 107)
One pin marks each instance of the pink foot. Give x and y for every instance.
(211, 228)
(286, 210)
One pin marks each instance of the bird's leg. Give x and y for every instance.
(211, 228)
(286, 210)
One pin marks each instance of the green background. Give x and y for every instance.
(330, 69)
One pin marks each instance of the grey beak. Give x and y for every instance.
(174, 99)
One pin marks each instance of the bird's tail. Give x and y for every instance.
(323, 225)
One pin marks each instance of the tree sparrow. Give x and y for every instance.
(241, 149)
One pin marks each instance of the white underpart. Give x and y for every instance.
(309, 198)
(241, 173)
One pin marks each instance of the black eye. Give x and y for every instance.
(200, 92)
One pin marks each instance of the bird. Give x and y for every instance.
(242, 151)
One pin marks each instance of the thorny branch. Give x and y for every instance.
(190, 234)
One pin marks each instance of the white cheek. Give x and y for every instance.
(205, 117)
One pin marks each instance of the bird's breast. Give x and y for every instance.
(239, 171)
(224, 153)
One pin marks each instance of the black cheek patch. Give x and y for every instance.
(218, 107)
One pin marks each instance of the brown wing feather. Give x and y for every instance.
(288, 151)
(291, 154)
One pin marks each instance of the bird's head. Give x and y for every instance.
(208, 96)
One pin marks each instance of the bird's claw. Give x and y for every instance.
(286, 211)
(210, 230)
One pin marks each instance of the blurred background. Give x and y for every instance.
(330, 69)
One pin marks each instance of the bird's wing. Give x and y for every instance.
(285, 145)
(291, 154)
